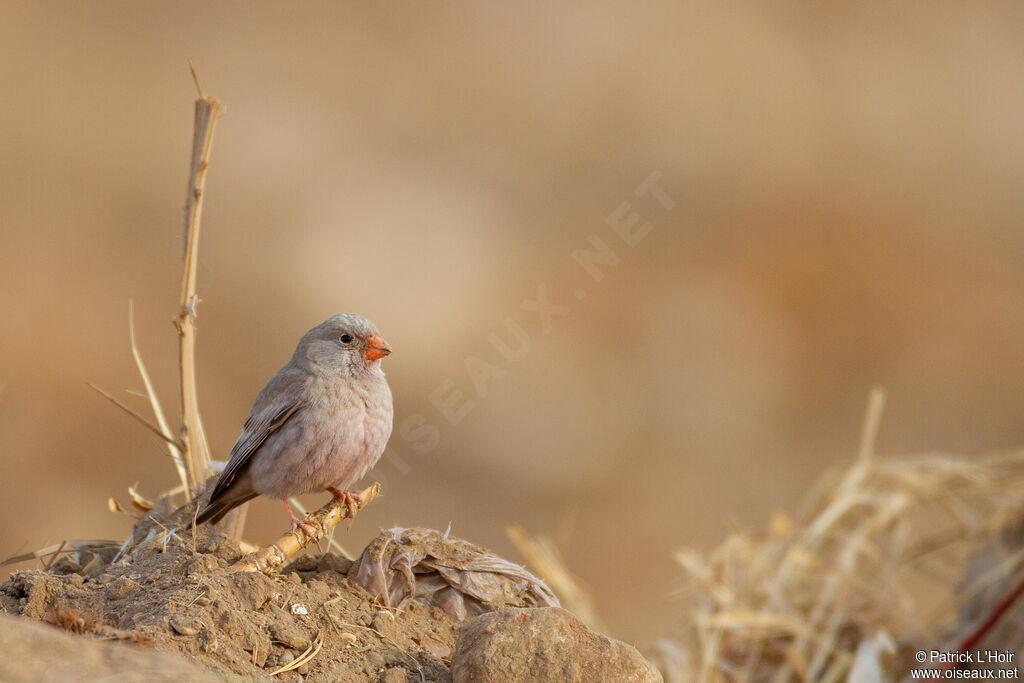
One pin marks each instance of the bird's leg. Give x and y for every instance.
(350, 501)
(301, 524)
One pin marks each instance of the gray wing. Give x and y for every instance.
(280, 399)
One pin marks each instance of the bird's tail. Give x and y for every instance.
(216, 509)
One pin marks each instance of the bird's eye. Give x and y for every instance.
(346, 338)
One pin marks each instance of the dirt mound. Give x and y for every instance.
(174, 597)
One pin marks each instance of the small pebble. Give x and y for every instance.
(436, 648)
(293, 578)
(306, 563)
(381, 619)
(208, 640)
(373, 662)
(299, 609)
(259, 656)
(76, 579)
(393, 657)
(185, 627)
(290, 637)
(335, 563)
(104, 579)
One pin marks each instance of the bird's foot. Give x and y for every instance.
(351, 501)
(307, 528)
(308, 531)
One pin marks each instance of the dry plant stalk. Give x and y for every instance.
(193, 435)
(173, 447)
(191, 453)
(141, 420)
(331, 543)
(878, 556)
(270, 558)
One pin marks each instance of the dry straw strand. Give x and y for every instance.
(797, 603)
(193, 435)
(141, 420)
(173, 447)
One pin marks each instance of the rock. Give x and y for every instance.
(259, 655)
(436, 648)
(208, 640)
(289, 635)
(373, 661)
(542, 644)
(45, 653)
(305, 563)
(394, 675)
(185, 627)
(252, 589)
(335, 563)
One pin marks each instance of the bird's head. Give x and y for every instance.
(344, 343)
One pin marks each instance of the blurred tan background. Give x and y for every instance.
(847, 182)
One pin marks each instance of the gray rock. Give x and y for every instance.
(45, 653)
(543, 644)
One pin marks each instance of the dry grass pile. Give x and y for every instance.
(889, 557)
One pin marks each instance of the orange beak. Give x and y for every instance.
(377, 348)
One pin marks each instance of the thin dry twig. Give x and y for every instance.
(173, 447)
(270, 558)
(63, 546)
(145, 423)
(114, 505)
(872, 422)
(312, 651)
(53, 557)
(193, 435)
(308, 655)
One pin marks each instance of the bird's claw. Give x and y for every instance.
(351, 500)
(307, 530)
(304, 525)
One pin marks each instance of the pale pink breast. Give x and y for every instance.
(331, 442)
